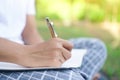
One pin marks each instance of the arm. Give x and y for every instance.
(30, 34)
(9, 51)
(38, 55)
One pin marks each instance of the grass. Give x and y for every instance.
(112, 65)
(64, 32)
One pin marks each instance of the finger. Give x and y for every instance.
(66, 54)
(66, 44)
(61, 58)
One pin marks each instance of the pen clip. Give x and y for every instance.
(50, 26)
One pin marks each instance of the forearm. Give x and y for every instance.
(9, 51)
(38, 55)
(32, 37)
(30, 34)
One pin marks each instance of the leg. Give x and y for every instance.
(95, 57)
(91, 64)
(63, 74)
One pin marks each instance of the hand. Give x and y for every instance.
(52, 53)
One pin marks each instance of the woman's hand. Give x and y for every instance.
(52, 53)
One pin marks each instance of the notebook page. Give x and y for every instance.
(74, 61)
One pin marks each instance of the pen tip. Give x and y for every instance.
(47, 18)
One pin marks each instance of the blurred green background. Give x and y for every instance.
(85, 18)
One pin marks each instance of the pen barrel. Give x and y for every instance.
(53, 33)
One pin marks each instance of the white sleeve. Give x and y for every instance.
(31, 7)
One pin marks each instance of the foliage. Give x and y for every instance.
(95, 13)
(93, 10)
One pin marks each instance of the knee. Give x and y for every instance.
(100, 47)
(96, 47)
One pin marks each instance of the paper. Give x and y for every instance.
(74, 61)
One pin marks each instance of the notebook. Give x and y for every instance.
(74, 62)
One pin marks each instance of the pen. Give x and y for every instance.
(50, 26)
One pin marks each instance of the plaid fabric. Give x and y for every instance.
(67, 74)
(96, 55)
(92, 63)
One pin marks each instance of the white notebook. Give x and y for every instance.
(74, 62)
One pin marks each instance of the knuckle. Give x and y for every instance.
(58, 49)
(68, 56)
(57, 45)
(71, 45)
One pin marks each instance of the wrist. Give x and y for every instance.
(24, 56)
(19, 55)
(12, 54)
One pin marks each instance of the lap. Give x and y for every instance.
(62, 74)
